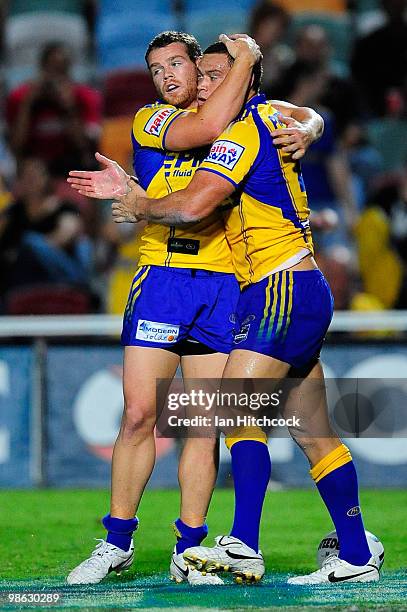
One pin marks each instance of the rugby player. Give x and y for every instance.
(183, 274)
(284, 311)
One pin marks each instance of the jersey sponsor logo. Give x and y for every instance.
(225, 153)
(353, 511)
(187, 246)
(151, 331)
(156, 122)
(243, 332)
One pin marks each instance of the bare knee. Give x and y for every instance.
(138, 419)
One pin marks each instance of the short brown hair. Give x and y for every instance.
(168, 37)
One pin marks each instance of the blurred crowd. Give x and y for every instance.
(73, 76)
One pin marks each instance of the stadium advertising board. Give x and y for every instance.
(16, 387)
(84, 406)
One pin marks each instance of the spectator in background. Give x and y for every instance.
(341, 97)
(327, 180)
(379, 61)
(53, 118)
(325, 170)
(41, 239)
(268, 26)
(391, 198)
(381, 238)
(365, 161)
(26, 25)
(5, 195)
(121, 246)
(7, 161)
(398, 223)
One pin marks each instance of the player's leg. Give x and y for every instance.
(151, 326)
(203, 362)
(133, 461)
(266, 312)
(305, 323)
(334, 474)
(134, 450)
(207, 348)
(198, 467)
(251, 466)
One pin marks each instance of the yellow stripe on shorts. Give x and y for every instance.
(137, 288)
(266, 313)
(282, 302)
(274, 306)
(290, 303)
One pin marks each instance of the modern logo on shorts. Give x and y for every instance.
(353, 511)
(156, 122)
(151, 331)
(225, 153)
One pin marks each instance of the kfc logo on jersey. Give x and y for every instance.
(156, 122)
(225, 153)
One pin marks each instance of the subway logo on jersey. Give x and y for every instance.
(156, 122)
(225, 153)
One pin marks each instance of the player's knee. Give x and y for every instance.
(138, 418)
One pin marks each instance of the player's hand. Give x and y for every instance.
(242, 46)
(129, 208)
(106, 184)
(293, 139)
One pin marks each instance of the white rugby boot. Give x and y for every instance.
(336, 571)
(181, 572)
(229, 555)
(104, 559)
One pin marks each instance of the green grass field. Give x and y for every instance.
(51, 531)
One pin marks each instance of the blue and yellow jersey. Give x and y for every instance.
(160, 172)
(267, 228)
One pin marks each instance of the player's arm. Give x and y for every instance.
(193, 130)
(202, 196)
(304, 126)
(230, 159)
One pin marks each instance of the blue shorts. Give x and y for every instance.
(168, 305)
(285, 316)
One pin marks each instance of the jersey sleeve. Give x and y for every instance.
(151, 124)
(233, 154)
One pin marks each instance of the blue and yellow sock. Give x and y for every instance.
(251, 466)
(188, 536)
(119, 531)
(336, 479)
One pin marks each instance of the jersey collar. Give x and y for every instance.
(252, 104)
(255, 101)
